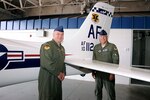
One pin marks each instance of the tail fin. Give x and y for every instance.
(99, 18)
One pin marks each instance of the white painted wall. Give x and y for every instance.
(123, 40)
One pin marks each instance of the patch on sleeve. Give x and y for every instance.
(46, 47)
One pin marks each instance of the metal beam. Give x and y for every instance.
(62, 1)
(8, 14)
(20, 1)
(131, 6)
(32, 2)
(5, 5)
(47, 5)
(40, 3)
(53, 10)
(12, 5)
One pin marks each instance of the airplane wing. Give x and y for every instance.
(136, 73)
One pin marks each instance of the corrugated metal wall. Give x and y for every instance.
(133, 22)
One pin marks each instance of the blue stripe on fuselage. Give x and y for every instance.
(28, 63)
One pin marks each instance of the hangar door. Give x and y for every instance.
(141, 52)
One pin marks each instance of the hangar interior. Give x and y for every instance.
(48, 14)
(17, 9)
(40, 14)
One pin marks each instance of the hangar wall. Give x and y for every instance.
(123, 40)
(132, 22)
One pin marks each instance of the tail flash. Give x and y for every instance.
(99, 18)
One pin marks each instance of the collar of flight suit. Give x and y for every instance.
(56, 43)
(105, 45)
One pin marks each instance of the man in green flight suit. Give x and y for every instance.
(52, 67)
(105, 52)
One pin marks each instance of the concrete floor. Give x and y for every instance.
(73, 90)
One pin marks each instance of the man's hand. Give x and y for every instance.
(111, 77)
(93, 74)
(61, 76)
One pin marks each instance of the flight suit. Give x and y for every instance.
(108, 53)
(51, 64)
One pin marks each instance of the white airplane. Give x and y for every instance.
(20, 58)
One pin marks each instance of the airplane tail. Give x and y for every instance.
(99, 18)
